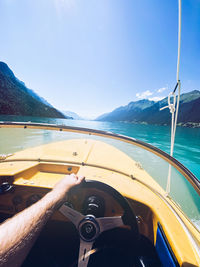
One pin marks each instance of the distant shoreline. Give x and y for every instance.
(181, 124)
(189, 124)
(11, 118)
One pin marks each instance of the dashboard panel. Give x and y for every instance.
(22, 197)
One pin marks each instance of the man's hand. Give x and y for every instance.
(65, 184)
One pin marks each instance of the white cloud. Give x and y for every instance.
(161, 89)
(144, 95)
(156, 98)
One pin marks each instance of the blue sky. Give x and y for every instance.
(92, 56)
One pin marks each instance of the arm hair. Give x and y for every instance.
(18, 234)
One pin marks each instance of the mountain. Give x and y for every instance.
(145, 111)
(17, 99)
(128, 112)
(73, 115)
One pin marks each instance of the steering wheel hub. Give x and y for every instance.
(88, 229)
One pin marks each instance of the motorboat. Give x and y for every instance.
(121, 215)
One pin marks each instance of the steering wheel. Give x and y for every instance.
(90, 227)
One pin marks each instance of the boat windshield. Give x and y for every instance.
(184, 185)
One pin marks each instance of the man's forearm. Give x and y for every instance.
(18, 234)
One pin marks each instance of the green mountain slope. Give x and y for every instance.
(146, 111)
(127, 113)
(17, 99)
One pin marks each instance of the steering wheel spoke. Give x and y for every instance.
(108, 223)
(71, 214)
(84, 253)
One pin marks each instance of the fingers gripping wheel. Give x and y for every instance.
(90, 227)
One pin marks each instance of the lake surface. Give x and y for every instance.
(187, 143)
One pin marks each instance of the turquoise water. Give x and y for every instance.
(187, 143)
